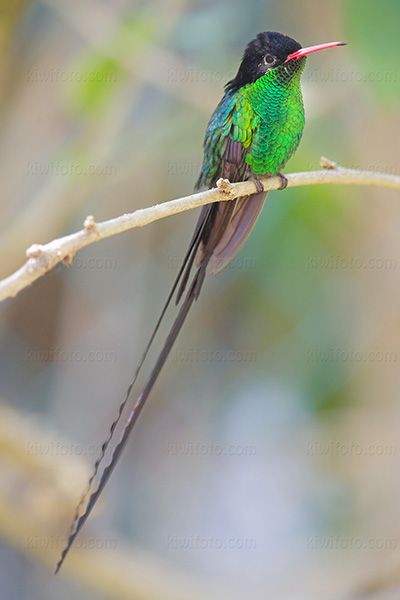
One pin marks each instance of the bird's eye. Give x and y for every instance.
(269, 59)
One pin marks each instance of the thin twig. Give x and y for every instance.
(43, 258)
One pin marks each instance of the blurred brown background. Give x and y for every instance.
(266, 462)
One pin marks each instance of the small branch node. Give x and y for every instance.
(34, 251)
(38, 264)
(326, 163)
(225, 186)
(69, 259)
(89, 223)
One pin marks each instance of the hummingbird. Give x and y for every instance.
(253, 132)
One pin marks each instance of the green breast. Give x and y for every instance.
(273, 106)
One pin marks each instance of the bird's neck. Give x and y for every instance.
(276, 89)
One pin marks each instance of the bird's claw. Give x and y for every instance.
(257, 183)
(284, 181)
(260, 187)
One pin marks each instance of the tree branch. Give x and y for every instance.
(43, 258)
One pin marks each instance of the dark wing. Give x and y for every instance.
(234, 233)
(228, 140)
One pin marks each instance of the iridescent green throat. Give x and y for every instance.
(275, 108)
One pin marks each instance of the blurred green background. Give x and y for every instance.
(266, 461)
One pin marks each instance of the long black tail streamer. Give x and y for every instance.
(193, 293)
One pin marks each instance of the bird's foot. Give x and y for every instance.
(284, 181)
(255, 179)
(260, 187)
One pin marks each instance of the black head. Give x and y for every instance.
(267, 51)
